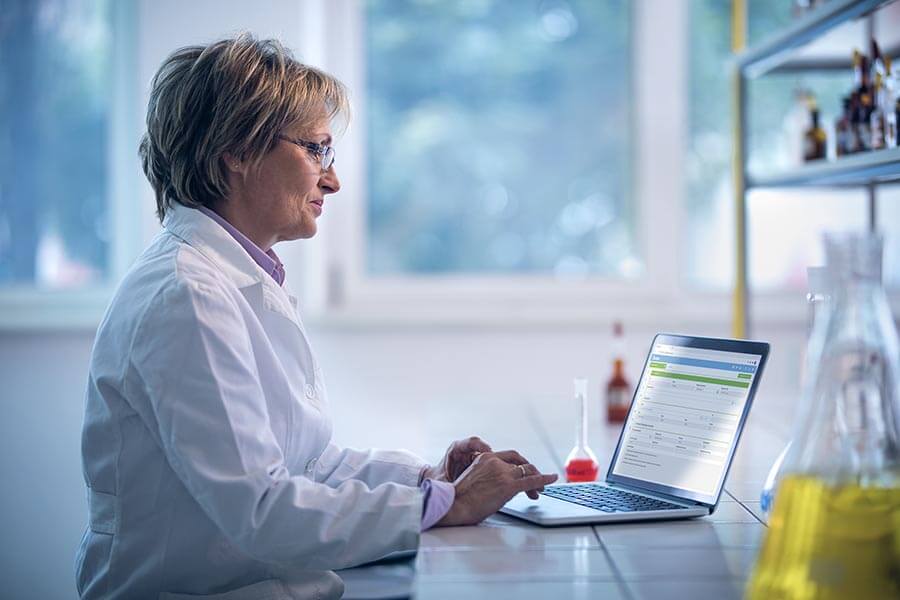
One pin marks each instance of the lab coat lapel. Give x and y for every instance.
(266, 298)
(209, 238)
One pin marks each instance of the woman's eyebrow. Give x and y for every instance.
(326, 138)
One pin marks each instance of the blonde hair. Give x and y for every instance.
(232, 96)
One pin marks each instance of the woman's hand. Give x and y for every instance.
(489, 483)
(457, 459)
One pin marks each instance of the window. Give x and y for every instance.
(55, 90)
(498, 138)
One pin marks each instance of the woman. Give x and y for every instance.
(206, 446)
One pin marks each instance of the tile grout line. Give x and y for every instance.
(620, 581)
(747, 508)
(545, 439)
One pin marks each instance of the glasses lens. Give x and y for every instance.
(328, 158)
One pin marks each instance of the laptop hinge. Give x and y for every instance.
(670, 497)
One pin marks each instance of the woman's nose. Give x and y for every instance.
(329, 181)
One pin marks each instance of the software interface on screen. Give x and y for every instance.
(687, 410)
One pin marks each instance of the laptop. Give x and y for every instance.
(677, 443)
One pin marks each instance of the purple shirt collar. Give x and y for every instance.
(268, 261)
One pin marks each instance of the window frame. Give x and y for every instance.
(30, 307)
(352, 296)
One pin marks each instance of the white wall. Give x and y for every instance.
(42, 507)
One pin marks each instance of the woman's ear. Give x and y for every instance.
(233, 163)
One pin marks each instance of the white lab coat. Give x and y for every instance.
(206, 444)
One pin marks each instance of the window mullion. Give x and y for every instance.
(660, 100)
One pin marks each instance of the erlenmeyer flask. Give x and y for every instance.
(835, 527)
(816, 299)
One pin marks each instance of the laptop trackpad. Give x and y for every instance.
(546, 507)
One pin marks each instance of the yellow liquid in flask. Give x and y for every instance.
(827, 541)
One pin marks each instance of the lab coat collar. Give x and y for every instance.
(209, 238)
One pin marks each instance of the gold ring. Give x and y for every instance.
(522, 468)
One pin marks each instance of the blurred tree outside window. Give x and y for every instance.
(55, 91)
(499, 138)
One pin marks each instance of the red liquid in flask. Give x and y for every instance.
(581, 469)
(581, 464)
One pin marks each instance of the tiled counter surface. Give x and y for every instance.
(504, 557)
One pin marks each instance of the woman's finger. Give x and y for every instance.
(535, 482)
(474, 444)
(512, 457)
(522, 471)
(529, 470)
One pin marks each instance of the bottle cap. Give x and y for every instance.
(811, 103)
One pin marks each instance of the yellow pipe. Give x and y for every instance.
(739, 296)
(738, 25)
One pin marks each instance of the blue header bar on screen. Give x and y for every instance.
(699, 362)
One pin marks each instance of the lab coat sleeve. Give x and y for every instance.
(193, 358)
(372, 467)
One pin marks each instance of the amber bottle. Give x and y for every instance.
(814, 143)
(618, 389)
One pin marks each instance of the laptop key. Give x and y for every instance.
(606, 499)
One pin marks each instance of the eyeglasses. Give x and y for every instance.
(324, 153)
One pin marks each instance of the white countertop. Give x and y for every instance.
(709, 557)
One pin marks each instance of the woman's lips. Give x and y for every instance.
(317, 205)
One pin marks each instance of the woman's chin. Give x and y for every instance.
(305, 231)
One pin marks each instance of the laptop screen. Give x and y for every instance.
(687, 414)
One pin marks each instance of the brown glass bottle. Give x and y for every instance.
(864, 135)
(853, 143)
(618, 388)
(814, 143)
(894, 127)
(842, 131)
(878, 118)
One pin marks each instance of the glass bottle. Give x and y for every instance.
(857, 70)
(853, 143)
(842, 130)
(816, 297)
(892, 89)
(814, 138)
(878, 117)
(835, 528)
(894, 128)
(618, 389)
(865, 130)
(581, 464)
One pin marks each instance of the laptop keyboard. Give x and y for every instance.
(606, 499)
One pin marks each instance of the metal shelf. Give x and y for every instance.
(779, 48)
(821, 39)
(881, 166)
